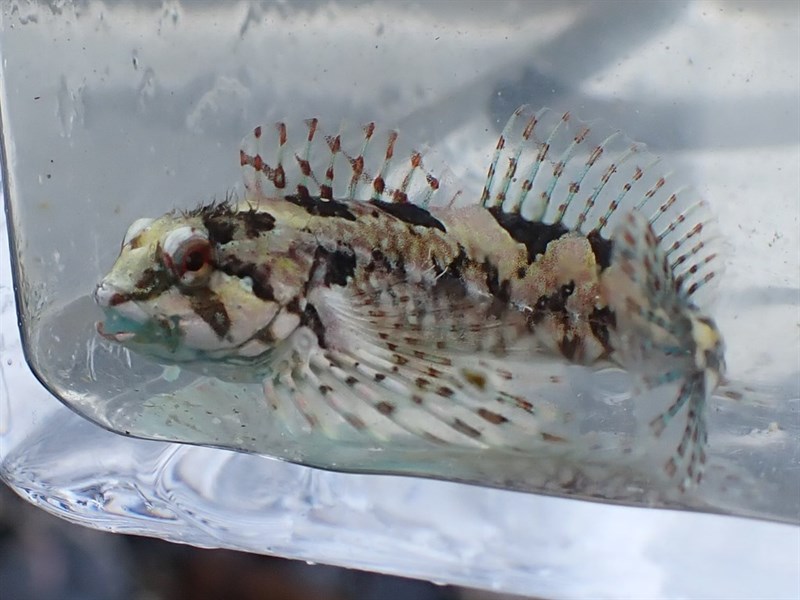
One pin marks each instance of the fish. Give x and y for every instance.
(366, 291)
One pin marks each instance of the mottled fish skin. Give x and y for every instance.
(361, 290)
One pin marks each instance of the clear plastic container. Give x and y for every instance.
(113, 111)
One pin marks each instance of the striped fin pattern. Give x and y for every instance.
(369, 164)
(664, 340)
(413, 388)
(556, 169)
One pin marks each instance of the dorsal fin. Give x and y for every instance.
(365, 164)
(553, 168)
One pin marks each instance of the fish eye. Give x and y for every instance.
(188, 253)
(196, 258)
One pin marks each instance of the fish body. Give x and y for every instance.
(364, 293)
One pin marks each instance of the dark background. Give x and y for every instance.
(45, 558)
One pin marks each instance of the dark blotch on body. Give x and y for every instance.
(409, 213)
(151, 283)
(552, 304)
(379, 261)
(339, 265)
(450, 282)
(322, 208)
(264, 335)
(455, 270)
(498, 289)
(220, 228)
(532, 234)
(450, 288)
(259, 274)
(310, 318)
(600, 321)
(207, 305)
(569, 346)
(256, 222)
(218, 219)
(601, 247)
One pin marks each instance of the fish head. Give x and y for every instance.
(211, 289)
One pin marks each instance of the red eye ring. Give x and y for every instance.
(189, 254)
(195, 257)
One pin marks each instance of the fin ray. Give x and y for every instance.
(377, 382)
(556, 169)
(362, 164)
(656, 336)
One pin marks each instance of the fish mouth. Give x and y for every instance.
(119, 328)
(120, 337)
(154, 337)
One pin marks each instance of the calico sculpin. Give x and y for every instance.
(366, 292)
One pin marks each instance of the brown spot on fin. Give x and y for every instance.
(493, 417)
(357, 164)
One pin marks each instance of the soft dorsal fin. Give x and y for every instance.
(553, 168)
(362, 164)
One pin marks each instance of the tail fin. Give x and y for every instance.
(664, 338)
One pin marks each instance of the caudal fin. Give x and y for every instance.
(663, 337)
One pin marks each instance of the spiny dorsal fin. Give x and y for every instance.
(554, 168)
(356, 165)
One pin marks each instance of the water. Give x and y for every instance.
(131, 116)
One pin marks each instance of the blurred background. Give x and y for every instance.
(45, 558)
